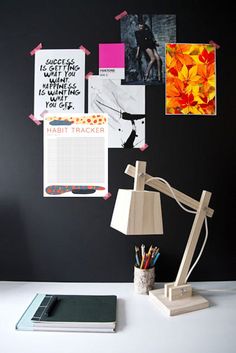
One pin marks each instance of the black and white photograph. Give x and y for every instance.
(125, 106)
(145, 37)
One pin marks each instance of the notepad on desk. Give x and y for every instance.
(79, 313)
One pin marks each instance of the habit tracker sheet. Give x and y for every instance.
(75, 155)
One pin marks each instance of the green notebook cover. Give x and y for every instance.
(94, 313)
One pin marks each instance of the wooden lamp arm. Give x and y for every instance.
(160, 186)
(193, 239)
(202, 210)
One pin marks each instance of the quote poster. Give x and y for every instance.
(75, 155)
(59, 81)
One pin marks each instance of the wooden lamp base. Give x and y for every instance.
(178, 306)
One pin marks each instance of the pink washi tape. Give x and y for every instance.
(90, 73)
(87, 52)
(144, 147)
(43, 113)
(107, 196)
(36, 49)
(121, 15)
(36, 121)
(217, 46)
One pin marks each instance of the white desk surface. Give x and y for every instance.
(141, 327)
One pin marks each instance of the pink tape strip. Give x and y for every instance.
(87, 52)
(90, 73)
(36, 121)
(144, 147)
(43, 113)
(107, 196)
(121, 15)
(217, 46)
(36, 49)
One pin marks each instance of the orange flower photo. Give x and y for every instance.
(190, 79)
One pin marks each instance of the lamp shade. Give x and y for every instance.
(137, 212)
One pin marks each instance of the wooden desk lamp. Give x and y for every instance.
(139, 212)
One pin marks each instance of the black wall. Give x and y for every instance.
(50, 239)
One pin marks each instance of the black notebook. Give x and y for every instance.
(88, 313)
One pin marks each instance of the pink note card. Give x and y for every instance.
(112, 60)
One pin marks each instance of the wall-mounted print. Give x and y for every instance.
(190, 79)
(75, 155)
(59, 81)
(125, 107)
(145, 37)
(112, 60)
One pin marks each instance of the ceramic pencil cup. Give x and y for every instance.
(144, 280)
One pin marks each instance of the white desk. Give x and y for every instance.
(141, 326)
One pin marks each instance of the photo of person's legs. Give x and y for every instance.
(158, 59)
(154, 57)
(151, 62)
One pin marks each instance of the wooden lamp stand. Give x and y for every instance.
(178, 297)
